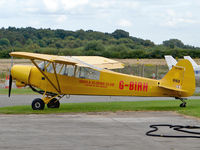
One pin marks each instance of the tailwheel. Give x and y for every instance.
(183, 104)
(38, 104)
(54, 103)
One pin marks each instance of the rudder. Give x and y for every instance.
(180, 78)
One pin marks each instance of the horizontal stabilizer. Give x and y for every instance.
(172, 88)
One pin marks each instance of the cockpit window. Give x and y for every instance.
(45, 66)
(69, 70)
(50, 68)
(42, 65)
(87, 73)
(59, 68)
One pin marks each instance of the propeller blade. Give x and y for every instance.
(10, 85)
(10, 77)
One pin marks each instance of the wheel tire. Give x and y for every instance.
(54, 103)
(183, 105)
(38, 104)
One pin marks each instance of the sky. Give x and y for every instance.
(155, 20)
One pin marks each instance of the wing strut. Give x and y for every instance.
(57, 89)
(55, 73)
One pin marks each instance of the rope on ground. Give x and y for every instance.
(179, 128)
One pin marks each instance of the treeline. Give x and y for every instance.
(118, 44)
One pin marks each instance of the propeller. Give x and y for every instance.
(10, 84)
(10, 78)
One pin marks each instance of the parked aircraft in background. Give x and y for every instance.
(57, 76)
(194, 64)
(172, 62)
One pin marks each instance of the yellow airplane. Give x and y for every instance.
(57, 76)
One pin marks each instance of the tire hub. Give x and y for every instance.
(37, 105)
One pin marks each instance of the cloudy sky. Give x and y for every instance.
(157, 20)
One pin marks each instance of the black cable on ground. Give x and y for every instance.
(179, 128)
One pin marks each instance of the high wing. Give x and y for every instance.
(89, 61)
(100, 62)
(44, 57)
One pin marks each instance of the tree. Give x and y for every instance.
(120, 34)
(94, 45)
(127, 42)
(172, 43)
(5, 53)
(80, 34)
(42, 43)
(29, 42)
(117, 44)
(59, 45)
(17, 44)
(4, 42)
(148, 43)
(60, 33)
(118, 48)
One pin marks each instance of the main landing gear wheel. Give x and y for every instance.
(54, 103)
(38, 104)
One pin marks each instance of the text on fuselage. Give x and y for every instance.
(136, 86)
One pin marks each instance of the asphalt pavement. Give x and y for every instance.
(93, 131)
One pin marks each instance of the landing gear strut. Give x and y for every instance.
(54, 103)
(51, 99)
(183, 104)
(39, 104)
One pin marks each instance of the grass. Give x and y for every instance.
(17, 91)
(196, 94)
(192, 109)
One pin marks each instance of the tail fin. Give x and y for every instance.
(194, 64)
(170, 61)
(180, 79)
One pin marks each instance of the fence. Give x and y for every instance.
(149, 71)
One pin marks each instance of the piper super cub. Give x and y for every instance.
(57, 76)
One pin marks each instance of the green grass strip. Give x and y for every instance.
(192, 109)
(17, 91)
